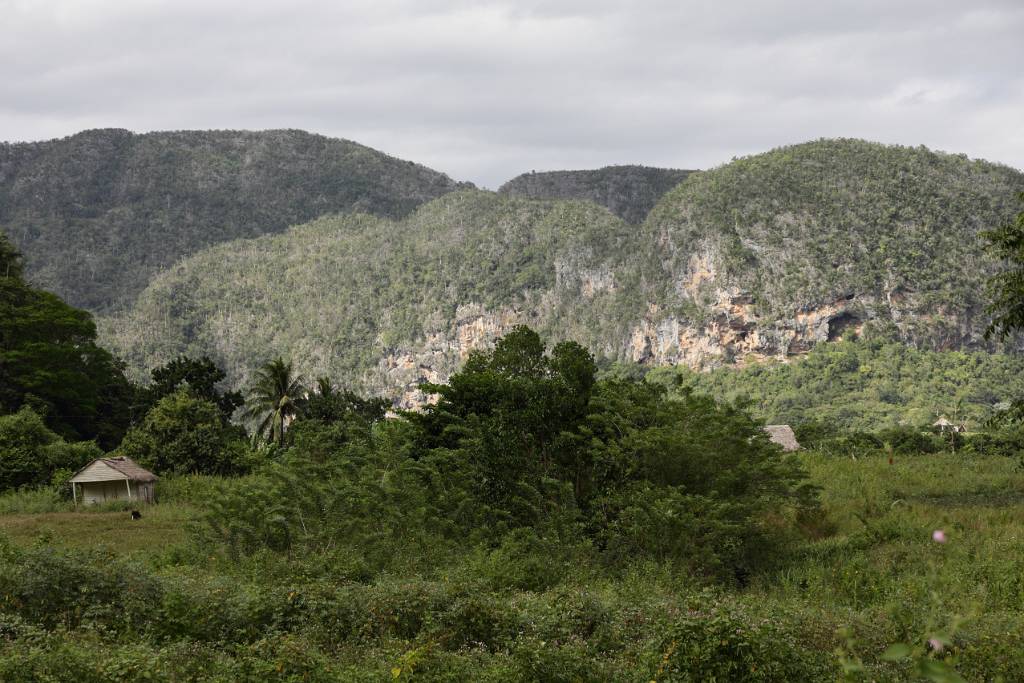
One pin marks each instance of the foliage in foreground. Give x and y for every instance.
(529, 446)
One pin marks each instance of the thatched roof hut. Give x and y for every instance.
(784, 436)
(944, 425)
(110, 479)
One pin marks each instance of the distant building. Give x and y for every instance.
(944, 425)
(784, 436)
(109, 479)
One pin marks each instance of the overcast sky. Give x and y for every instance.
(487, 90)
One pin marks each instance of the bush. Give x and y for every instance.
(60, 588)
(1007, 442)
(715, 641)
(30, 453)
(33, 501)
(526, 561)
(908, 440)
(187, 435)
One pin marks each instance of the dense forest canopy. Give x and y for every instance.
(866, 386)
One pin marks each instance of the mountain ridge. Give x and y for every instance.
(629, 191)
(98, 213)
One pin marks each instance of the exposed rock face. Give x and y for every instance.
(733, 335)
(630, 192)
(434, 359)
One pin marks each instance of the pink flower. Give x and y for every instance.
(935, 643)
(939, 536)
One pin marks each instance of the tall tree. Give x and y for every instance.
(202, 378)
(275, 398)
(186, 434)
(329, 404)
(49, 360)
(10, 259)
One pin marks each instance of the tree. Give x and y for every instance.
(275, 399)
(49, 359)
(201, 376)
(30, 453)
(329, 405)
(507, 417)
(10, 260)
(186, 434)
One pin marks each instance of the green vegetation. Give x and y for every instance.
(811, 224)
(199, 376)
(31, 454)
(99, 213)
(153, 609)
(536, 523)
(865, 386)
(185, 434)
(275, 399)
(1006, 288)
(539, 520)
(340, 293)
(629, 192)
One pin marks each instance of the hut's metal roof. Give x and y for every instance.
(126, 466)
(784, 436)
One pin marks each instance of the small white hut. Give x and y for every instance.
(109, 479)
(784, 436)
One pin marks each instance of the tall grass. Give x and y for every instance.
(33, 501)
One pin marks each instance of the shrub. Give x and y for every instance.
(526, 561)
(716, 641)
(187, 435)
(30, 453)
(1006, 442)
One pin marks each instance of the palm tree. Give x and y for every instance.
(275, 399)
(324, 386)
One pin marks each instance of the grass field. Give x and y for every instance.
(160, 527)
(871, 570)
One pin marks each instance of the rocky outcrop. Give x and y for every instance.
(440, 353)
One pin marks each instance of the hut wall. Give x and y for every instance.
(108, 491)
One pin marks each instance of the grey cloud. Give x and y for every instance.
(485, 90)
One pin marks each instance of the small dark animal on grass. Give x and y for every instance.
(136, 514)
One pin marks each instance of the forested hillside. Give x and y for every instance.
(630, 192)
(98, 213)
(866, 385)
(760, 259)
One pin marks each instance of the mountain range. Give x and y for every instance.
(759, 259)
